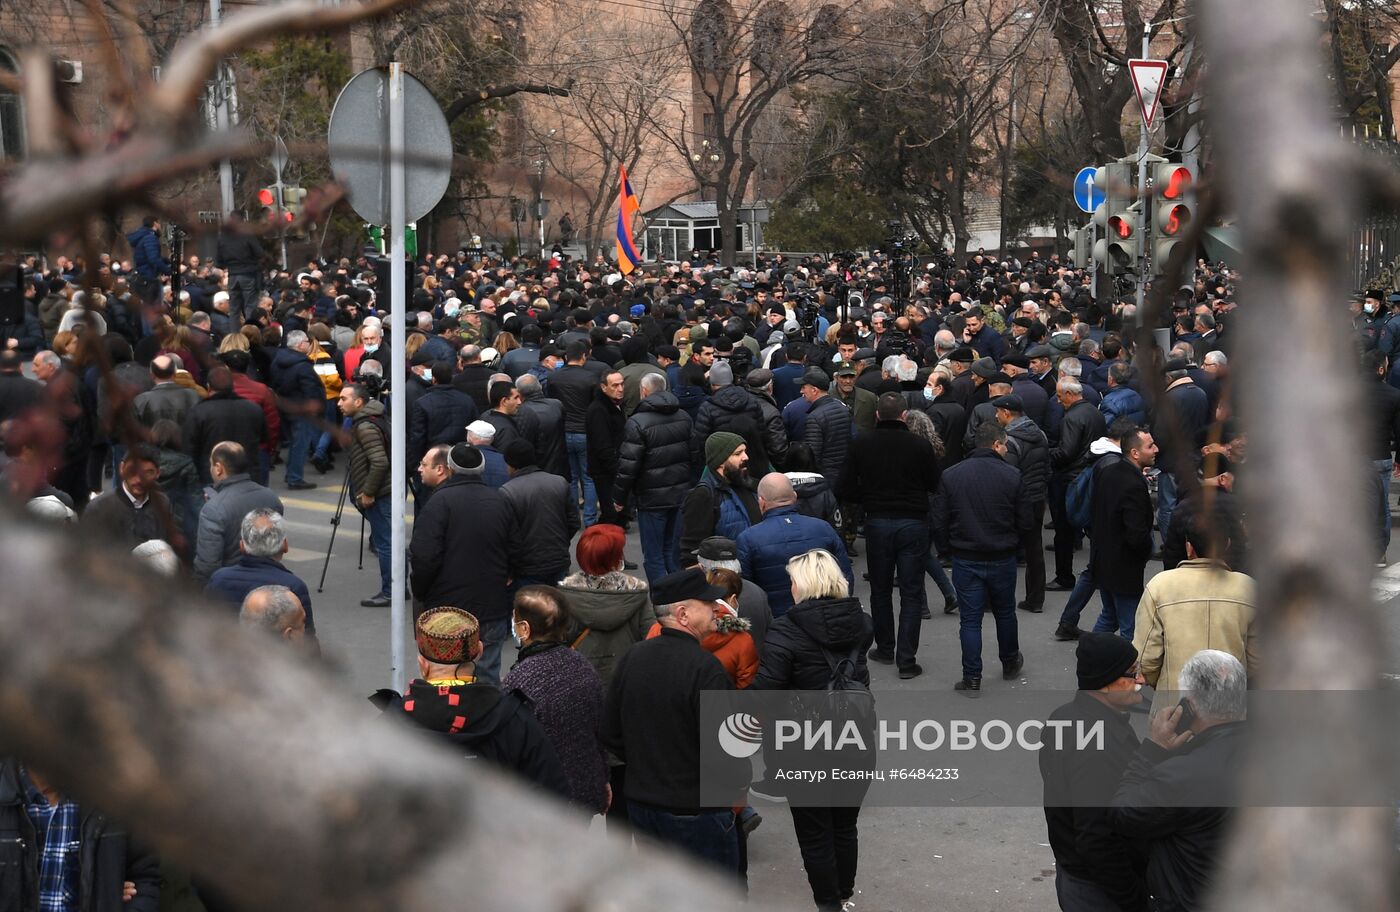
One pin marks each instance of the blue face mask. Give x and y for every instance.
(371, 349)
(928, 393)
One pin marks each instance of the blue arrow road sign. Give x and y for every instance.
(1086, 196)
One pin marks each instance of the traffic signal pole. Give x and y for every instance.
(1143, 250)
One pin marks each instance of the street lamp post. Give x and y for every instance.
(704, 163)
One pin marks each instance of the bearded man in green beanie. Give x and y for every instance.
(724, 502)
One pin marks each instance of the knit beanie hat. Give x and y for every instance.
(719, 446)
(721, 374)
(1101, 659)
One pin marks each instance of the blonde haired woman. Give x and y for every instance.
(824, 627)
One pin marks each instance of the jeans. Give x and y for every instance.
(577, 445)
(380, 522)
(243, 293)
(493, 639)
(1166, 501)
(712, 836)
(897, 548)
(1079, 894)
(934, 568)
(985, 585)
(1119, 613)
(1084, 588)
(1064, 535)
(660, 542)
(1035, 559)
(303, 434)
(1383, 469)
(118, 453)
(829, 842)
(323, 446)
(263, 468)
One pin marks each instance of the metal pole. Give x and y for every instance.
(1093, 260)
(753, 232)
(1142, 187)
(221, 118)
(399, 367)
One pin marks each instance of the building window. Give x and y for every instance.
(11, 113)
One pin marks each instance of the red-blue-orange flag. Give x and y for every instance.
(627, 207)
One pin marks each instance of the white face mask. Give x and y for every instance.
(515, 634)
(1370, 308)
(371, 348)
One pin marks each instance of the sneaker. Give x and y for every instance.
(950, 605)
(969, 686)
(1011, 670)
(848, 905)
(1064, 633)
(884, 658)
(910, 671)
(768, 791)
(377, 601)
(1027, 606)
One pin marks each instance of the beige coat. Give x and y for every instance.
(1199, 605)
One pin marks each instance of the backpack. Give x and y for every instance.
(1079, 497)
(847, 697)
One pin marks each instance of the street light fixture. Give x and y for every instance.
(704, 162)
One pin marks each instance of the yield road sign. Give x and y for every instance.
(1148, 78)
(1087, 196)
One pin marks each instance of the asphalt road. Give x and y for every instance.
(969, 859)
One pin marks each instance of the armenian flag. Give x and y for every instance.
(627, 207)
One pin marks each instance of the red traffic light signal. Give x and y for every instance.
(267, 196)
(1177, 217)
(1178, 182)
(1120, 226)
(287, 217)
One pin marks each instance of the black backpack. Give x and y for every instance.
(846, 696)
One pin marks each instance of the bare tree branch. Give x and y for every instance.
(467, 102)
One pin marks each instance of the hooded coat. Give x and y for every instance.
(611, 612)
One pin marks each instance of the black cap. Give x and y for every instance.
(759, 378)
(1040, 351)
(1011, 402)
(1176, 364)
(815, 376)
(718, 548)
(420, 358)
(1101, 659)
(985, 368)
(962, 354)
(519, 453)
(863, 354)
(682, 586)
(1016, 359)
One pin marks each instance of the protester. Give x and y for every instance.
(234, 496)
(784, 533)
(654, 469)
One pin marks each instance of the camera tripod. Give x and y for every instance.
(335, 525)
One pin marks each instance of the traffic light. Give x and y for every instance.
(270, 199)
(1120, 219)
(1080, 253)
(1173, 208)
(292, 199)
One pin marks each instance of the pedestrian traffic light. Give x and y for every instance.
(1119, 216)
(1173, 208)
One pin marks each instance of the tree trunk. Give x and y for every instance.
(1272, 117)
(210, 740)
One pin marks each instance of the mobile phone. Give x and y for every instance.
(1188, 715)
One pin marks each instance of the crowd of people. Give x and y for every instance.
(759, 427)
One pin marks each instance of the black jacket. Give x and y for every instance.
(604, 425)
(547, 416)
(981, 510)
(239, 253)
(1079, 786)
(295, 381)
(510, 427)
(440, 415)
(891, 472)
(223, 416)
(775, 439)
(113, 518)
(465, 517)
(547, 518)
(828, 433)
(500, 728)
(733, 410)
(1120, 540)
(1384, 409)
(1191, 406)
(575, 386)
(950, 421)
(1082, 425)
(107, 856)
(472, 380)
(652, 721)
(1028, 450)
(18, 394)
(1185, 844)
(654, 460)
(797, 645)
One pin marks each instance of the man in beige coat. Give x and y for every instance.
(1201, 604)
